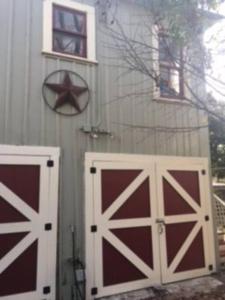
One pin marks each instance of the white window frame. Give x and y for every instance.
(48, 28)
(156, 66)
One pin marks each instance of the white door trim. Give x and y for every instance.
(29, 150)
(46, 269)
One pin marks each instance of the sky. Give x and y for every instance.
(215, 42)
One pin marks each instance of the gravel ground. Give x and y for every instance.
(209, 289)
(206, 288)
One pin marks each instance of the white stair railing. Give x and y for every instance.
(220, 212)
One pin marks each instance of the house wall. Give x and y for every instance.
(26, 120)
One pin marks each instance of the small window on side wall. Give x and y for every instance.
(171, 83)
(71, 31)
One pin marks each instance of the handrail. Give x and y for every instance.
(220, 211)
(219, 199)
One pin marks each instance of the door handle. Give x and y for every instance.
(160, 228)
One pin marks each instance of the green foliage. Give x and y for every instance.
(184, 18)
(217, 145)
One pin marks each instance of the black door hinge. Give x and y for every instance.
(93, 170)
(94, 228)
(94, 291)
(207, 218)
(210, 267)
(48, 226)
(203, 172)
(46, 290)
(50, 163)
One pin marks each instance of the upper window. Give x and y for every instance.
(170, 68)
(71, 31)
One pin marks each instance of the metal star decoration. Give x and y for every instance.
(67, 93)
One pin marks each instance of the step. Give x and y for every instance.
(221, 241)
(221, 237)
(219, 233)
(222, 260)
(222, 249)
(222, 253)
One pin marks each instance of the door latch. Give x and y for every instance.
(161, 224)
(160, 221)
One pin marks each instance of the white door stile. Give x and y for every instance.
(100, 225)
(48, 197)
(52, 218)
(155, 237)
(208, 230)
(89, 221)
(42, 276)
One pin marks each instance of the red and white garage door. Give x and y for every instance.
(148, 222)
(28, 210)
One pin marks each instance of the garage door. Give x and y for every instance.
(185, 221)
(28, 211)
(148, 222)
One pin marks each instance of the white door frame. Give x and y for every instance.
(90, 160)
(46, 271)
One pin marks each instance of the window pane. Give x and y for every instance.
(69, 44)
(69, 20)
(169, 51)
(169, 82)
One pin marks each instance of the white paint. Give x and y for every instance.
(47, 28)
(92, 157)
(15, 150)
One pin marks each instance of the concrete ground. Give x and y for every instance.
(206, 288)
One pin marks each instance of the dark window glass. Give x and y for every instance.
(170, 62)
(69, 44)
(69, 31)
(169, 51)
(169, 82)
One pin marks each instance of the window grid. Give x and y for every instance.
(70, 33)
(171, 65)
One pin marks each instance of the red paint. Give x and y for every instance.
(189, 181)
(8, 214)
(176, 234)
(174, 204)
(21, 275)
(137, 205)
(9, 241)
(195, 256)
(117, 268)
(24, 181)
(114, 182)
(139, 240)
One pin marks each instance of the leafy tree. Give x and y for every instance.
(217, 143)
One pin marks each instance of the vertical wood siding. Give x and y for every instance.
(26, 120)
